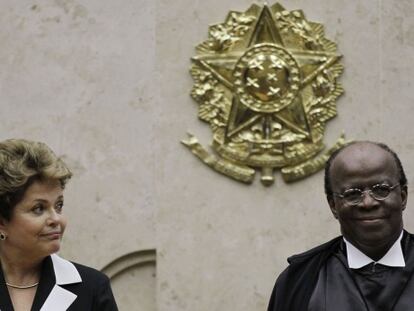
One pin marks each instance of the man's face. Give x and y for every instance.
(370, 223)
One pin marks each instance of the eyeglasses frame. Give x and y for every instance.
(369, 191)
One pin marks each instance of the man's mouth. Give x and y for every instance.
(370, 219)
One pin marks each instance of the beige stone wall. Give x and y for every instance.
(106, 84)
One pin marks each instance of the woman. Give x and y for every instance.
(32, 276)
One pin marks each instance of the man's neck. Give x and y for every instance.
(376, 252)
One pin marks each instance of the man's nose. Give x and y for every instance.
(367, 199)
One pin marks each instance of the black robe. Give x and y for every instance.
(305, 275)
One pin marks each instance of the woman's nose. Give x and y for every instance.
(53, 217)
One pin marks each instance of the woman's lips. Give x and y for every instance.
(52, 235)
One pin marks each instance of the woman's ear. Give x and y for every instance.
(3, 224)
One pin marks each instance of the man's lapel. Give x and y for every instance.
(60, 299)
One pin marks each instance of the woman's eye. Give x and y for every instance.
(38, 209)
(59, 207)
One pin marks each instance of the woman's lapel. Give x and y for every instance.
(50, 296)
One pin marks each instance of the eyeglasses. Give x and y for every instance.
(354, 196)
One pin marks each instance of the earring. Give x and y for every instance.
(2, 236)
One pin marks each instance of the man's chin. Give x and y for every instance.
(372, 239)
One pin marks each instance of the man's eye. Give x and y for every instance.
(381, 190)
(352, 194)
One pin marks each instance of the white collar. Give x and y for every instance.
(59, 298)
(393, 258)
(65, 271)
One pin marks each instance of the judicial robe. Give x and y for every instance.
(319, 279)
(66, 286)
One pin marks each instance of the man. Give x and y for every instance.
(369, 267)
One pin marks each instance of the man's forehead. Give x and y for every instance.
(361, 148)
(362, 155)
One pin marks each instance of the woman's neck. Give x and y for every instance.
(18, 270)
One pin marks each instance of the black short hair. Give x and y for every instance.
(328, 188)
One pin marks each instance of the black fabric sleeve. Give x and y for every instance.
(104, 298)
(276, 298)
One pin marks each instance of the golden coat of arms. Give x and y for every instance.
(266, 82)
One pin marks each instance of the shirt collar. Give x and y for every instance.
(393, 258)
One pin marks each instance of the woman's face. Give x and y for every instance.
(36, 225)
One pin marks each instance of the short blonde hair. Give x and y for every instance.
(21, 162)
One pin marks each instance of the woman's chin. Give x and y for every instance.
(53, 248)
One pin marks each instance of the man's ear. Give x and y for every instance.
(332, 206)
(404, 195)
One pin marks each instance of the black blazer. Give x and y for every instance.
(66, 286)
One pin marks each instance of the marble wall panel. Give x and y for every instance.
(232, 240)
(79, 75)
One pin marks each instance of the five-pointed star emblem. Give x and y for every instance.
(310, 64)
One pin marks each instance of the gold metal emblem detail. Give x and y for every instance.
(266, 82)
